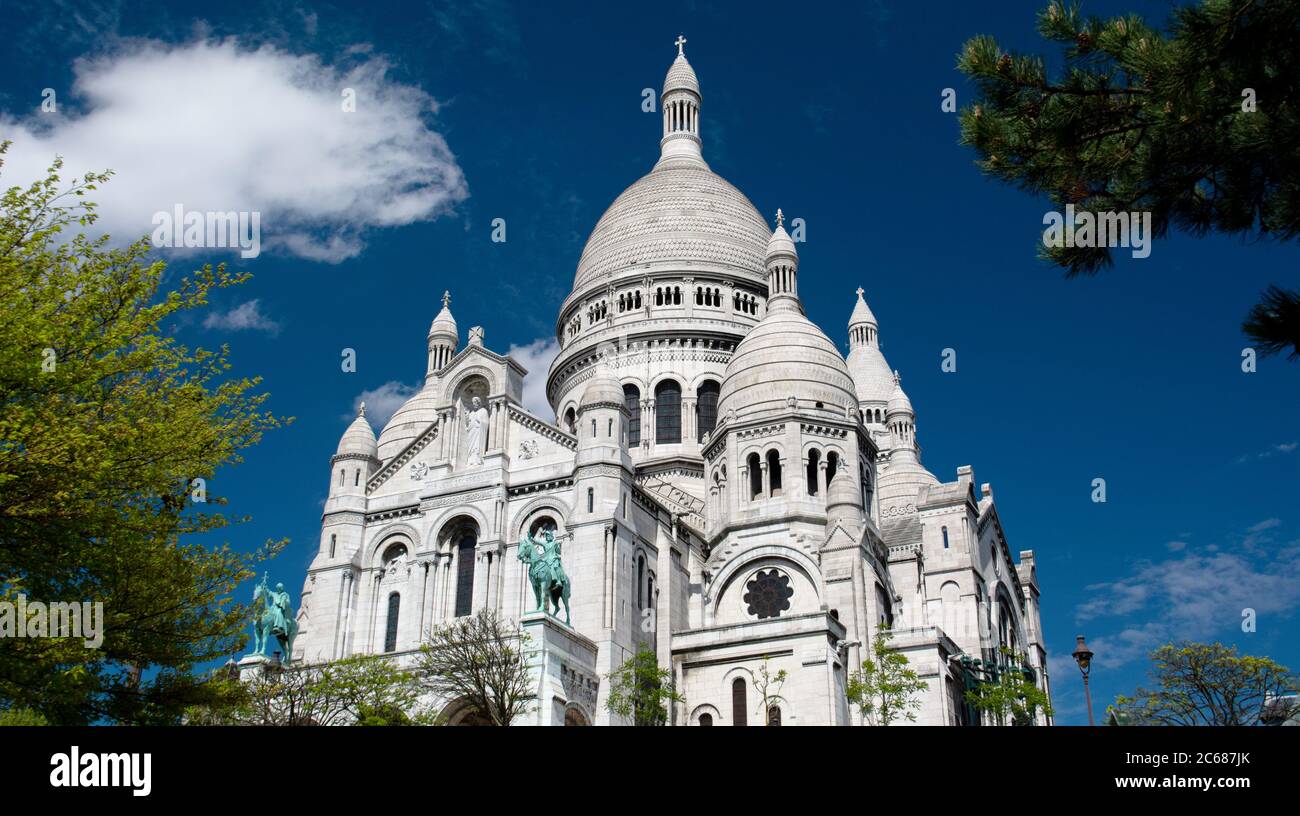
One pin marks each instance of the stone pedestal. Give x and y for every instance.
(252, 666)
(563, 663)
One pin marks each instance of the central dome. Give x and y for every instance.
(684, 214)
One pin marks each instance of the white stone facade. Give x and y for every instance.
(738, 496)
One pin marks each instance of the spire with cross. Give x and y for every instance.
(679, 42)
(860, 291)
(780, 217)
(446, 299)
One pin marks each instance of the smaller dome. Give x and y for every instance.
(681, 76)
(898, 401)
(861, 313)
(359, 438)
(780, 243)
(842, 491)
(408, 422)
(785, 357)
(602, 389)
(444, 323)
(872, 377)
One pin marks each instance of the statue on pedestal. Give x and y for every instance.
(545, 572)
(275, 619)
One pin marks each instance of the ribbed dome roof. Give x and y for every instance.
(602, 388)
(444, 323)
(785, 356)
(898, 400)
(902, 479)
(872, 378)
(359, 438)
(682, 214)
(408, 422)
(681, 76)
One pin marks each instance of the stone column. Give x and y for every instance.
(822, 483)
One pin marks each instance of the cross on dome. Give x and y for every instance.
(446, 299)
(780, 217)
(679, 42)
(363, 408)
(860, 291)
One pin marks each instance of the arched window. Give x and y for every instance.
(739, 708)
(774, 715)
(832, 465)
(668, 413)
(707, 407)
(356, 478)
(945, 538)
(571, 421)
(632, 401)
(755, 476)
(640, 582)
(774, 473)
(342, 473)
(390, 634)
(706, 720)
(334, 539)
(867, 491)
(814, 459)
(466, 541)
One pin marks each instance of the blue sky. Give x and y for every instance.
(468, 112)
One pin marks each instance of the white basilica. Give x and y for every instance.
(736, 494)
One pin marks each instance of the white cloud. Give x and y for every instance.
(1273, 450)
(536, 357)
(382, 402)
(214, 126)
(244, 317)
(1193, 594)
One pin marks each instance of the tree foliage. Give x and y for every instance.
(105, 421)
(886, 689)
(1013, 698)
(482, 661)
(356, 690)
(640, 690)
(1209, 684)
(1199, 126)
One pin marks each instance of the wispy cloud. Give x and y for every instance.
(1195, 593)
(536, 357)
(244, 317)
(247, 130)
(1274, 450)
(382, 402)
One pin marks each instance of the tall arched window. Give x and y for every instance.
(466, 541)
(755, 476)
(814, 460)
(832, 465)
(571, 421)
(640, 582)
(739, 706)
(707, 407)
(390, 633)
(774, 472)
(706, 720)
(774, 715)
(632, 401)
(668, 413)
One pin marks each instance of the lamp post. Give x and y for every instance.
(1083, 656)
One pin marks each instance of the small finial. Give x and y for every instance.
(679, 42)
(446, 299)
(362, 412)
(860, 291)
(780, 217)
(897, 379)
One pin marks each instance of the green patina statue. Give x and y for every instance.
(545, 572)
(274, 619)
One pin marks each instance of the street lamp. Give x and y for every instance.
(1083, 656)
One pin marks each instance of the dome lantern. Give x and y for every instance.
(680, 101)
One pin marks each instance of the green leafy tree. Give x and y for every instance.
(641, 691)
(1013, 698)
(105, 424)
(769, 687)
(887, 688)
(357, 690)
(21, 717)
(1199, 126)
(481, 660)
(1210, 684)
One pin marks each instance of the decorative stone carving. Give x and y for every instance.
(528, 449)
(419, 470)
